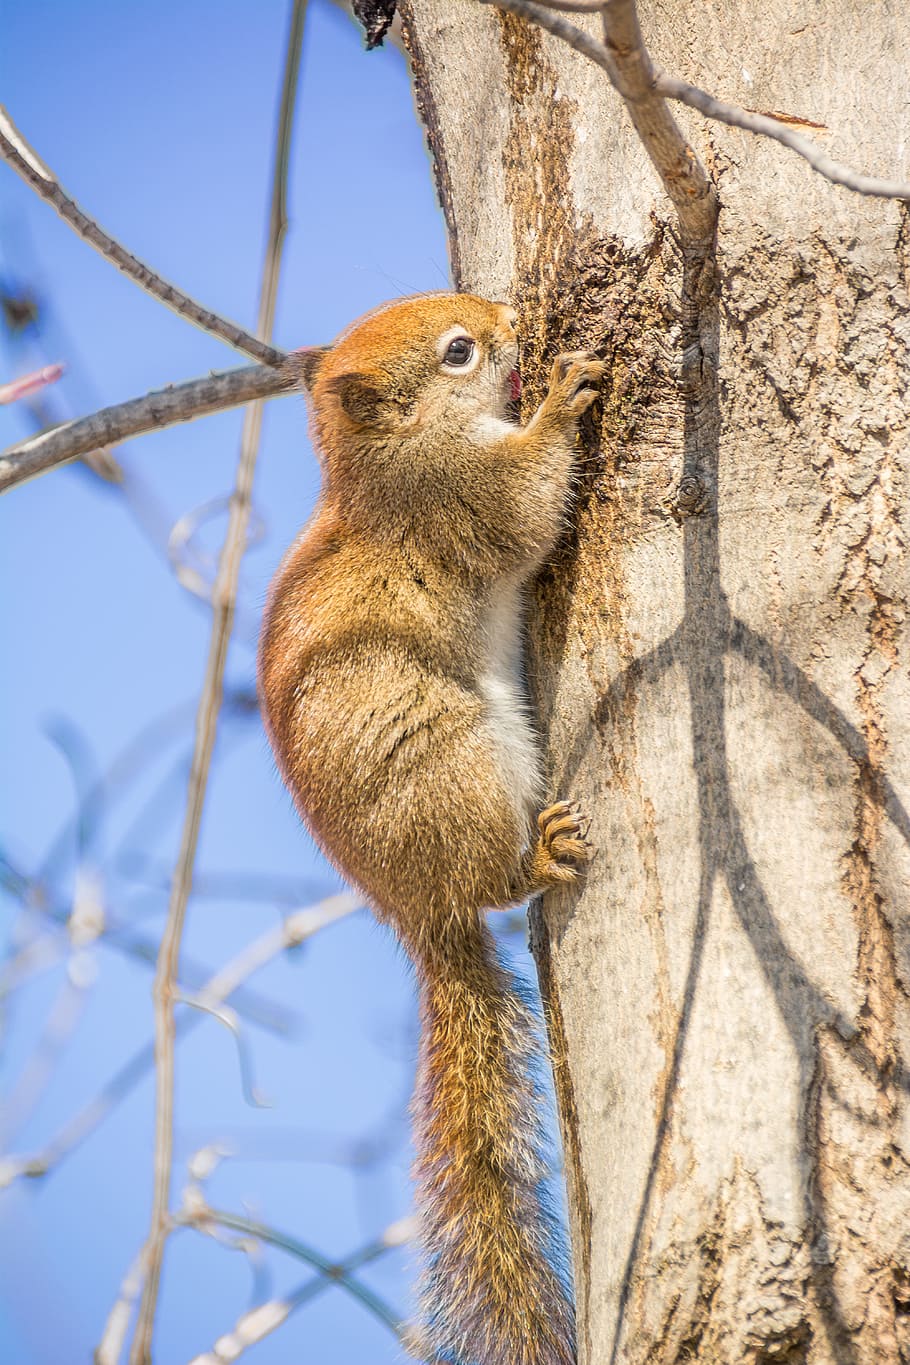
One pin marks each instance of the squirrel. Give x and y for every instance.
(390, 676)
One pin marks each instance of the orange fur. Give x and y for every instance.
(389, 676)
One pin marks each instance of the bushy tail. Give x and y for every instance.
(494, 1290)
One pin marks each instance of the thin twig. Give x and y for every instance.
(161, 408)
(227, 1017)
(619, 14)
(25, 162)
(223, 597)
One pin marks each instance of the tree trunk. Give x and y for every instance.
(720, 660)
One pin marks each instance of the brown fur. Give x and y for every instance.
(387, 668)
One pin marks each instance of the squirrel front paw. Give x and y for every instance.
(573, 381)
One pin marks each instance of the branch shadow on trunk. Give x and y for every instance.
(705, 636)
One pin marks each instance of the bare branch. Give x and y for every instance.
(25, 162)
(766, 126)
(625, 59)
(161, 408)
(685, 179)
(223, 598)
(636, 78)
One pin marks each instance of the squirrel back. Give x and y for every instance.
(390, 678)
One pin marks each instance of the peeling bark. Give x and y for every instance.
(721, 666)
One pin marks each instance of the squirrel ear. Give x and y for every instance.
(361, 397)
(305, 364)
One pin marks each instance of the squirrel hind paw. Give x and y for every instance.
(562, 848)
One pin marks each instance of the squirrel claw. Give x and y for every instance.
(562, 848)
(553, 812)
(573, 381)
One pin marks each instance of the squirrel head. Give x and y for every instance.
(430, 361)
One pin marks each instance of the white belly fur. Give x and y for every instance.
(504, 691)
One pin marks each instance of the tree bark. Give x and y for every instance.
(721, 665)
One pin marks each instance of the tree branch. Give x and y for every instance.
(161, 408)
(685, 179)
(223, 598)
(625, 59)
(765, 126)
(635, 77)
(25, 162)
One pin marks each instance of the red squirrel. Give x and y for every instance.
(390, 679)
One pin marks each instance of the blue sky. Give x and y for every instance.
(159, 119)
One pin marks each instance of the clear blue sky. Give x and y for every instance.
(159, 119)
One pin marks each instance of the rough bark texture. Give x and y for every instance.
(721, 663)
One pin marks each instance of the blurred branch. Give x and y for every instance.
(31, 383)
(193, 569)
(42, 955)
(38, 894)
(262, 1320)
(25, 162)
(257, 1009)
(293, 931)
(160, 408)
(253, 1326)
(130, 763)
(222, 985)
(229, 884)
(116, 1327)
(59, 1026)
(228, 1018)
(19, 300)
(80, 829)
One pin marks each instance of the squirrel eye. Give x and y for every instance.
(459, 352)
